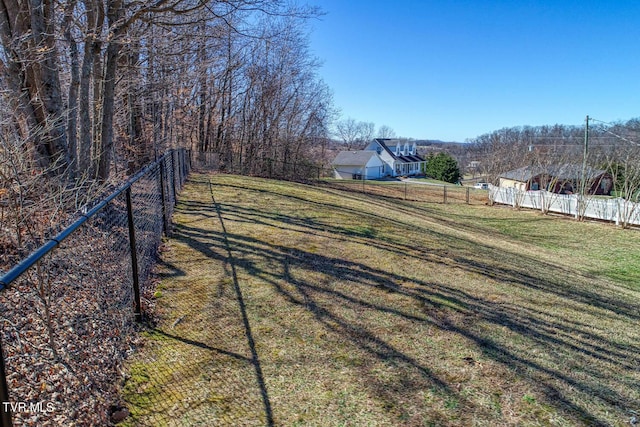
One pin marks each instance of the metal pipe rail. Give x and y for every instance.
(28, 262)
(171, 157)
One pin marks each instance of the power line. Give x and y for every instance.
(604, 129)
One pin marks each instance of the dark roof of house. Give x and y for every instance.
(353, 158)
(410, 159)
(573, 171)
(383, 143)
(404, 159)
(522, 174)
(566, 172)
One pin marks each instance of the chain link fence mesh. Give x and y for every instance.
(196, 366)
(68, 321)
(412, 191)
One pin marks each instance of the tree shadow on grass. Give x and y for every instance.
(510, 266)
(255, 360)
(443, 306)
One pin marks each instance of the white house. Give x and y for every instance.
(381, 157)
(360, 164)
(400, 157)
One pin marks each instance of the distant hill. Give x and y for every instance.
(431, 142)
(427, 146)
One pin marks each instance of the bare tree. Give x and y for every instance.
(353, 133)
(348, 130)
(620, 153)
(94, 115)
(367, 131)
(30, 66)
(386, 132)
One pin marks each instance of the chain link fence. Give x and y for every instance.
(67, 312)
(417, 191)
(395, 188)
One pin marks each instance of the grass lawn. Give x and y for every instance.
(288, 304)
(416, 190)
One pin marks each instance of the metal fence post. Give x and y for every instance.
(178, 171)
(5, 411)
(165, 228)
(134, 257)
(183, 159)
(182, 166)
(173, 178)
(186, 164)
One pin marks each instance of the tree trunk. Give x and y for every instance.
(72, 107)
(44, 82)
(114, 13)
(90, 66)
(33, 67)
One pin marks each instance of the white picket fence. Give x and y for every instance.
(620, 211)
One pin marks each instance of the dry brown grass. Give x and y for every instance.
(287, 304)
(428, 191)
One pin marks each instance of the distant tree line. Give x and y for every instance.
(614, 147)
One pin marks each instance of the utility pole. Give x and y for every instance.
(581, 206)
(583, 184)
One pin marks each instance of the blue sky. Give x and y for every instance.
(455, 69)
